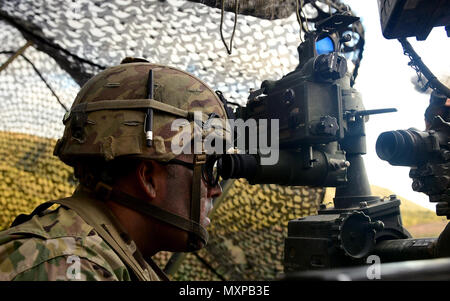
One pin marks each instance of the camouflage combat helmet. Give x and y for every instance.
(127, 111)
(108, 115)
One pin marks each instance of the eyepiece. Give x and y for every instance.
(290, 169)
(403, 147)
(238, 166)
(390, 145)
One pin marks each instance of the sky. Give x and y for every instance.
(384, 80)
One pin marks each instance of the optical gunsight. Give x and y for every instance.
(321, 142)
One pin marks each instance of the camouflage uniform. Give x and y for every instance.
(60, 245)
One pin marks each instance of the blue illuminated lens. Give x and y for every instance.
(324, 46)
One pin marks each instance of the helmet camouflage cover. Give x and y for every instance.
(108, 116)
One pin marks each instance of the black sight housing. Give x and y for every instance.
(405, 147)
(321, 142)
(320, 117)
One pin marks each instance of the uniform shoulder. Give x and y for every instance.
(70, 268)
(47, 240)
(60, 222)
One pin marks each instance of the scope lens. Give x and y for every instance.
(324, 45)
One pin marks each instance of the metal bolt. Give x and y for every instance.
(345, 164)
(346, 38)
(289, 96)
(446, 155)
(377, 225)
(363, 204)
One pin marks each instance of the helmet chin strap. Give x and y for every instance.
(197, 234)
(195, 206)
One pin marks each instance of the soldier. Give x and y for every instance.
(136, 196)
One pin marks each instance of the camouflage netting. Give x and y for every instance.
(73, 40)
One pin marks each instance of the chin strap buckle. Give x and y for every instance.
(199, 159)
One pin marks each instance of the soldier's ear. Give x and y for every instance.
(146, 176)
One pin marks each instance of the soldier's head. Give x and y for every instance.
(123, 138)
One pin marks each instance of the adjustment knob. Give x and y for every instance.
(355, 233)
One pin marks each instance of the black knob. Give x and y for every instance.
(330, 66)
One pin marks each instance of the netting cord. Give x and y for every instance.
(299, 20)
(42, 40)
(207, 265)
(46, 83)
(236, 4)
(40, 76)
(299, 6)
(299, 9)
(15, 55)
(420, 67)
(177, 258)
